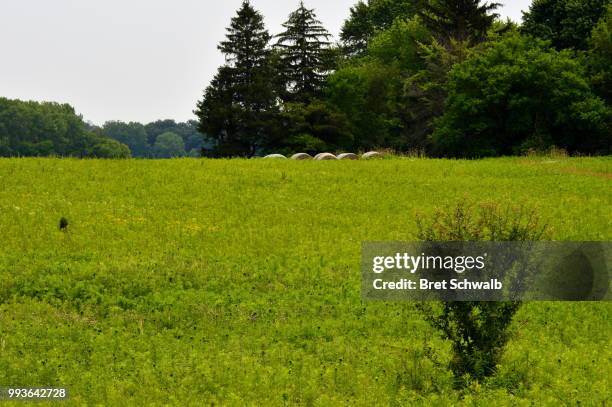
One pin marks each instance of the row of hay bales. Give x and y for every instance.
(328, 156)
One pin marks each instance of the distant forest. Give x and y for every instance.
(46, 129)
(448, 78)
(52, 129)
(160, 139)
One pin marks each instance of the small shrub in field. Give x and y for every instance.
(63, 224)
(478, 330)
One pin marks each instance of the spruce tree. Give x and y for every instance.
(304, 55)
(460, 20)
(239, 107)
(218, 115)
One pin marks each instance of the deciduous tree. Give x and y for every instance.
(368, 18)
(169, 145)
(600, 56)
(566, 23)
(520, 94)
(131, 134)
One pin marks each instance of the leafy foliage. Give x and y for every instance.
(131, 134)
(600, 56)
(426, 90)
(239, 107)
(370, 18)
(444, 76)
(371, 91)
(141, 138)
(566, 23)
(304, 55)
(169, 145)
(43, 129)
(459, 20)
(478, 331)
(400, 45)
(516, 95)
(188, 131)
(366, 95)
(110, 149)
(314, 127)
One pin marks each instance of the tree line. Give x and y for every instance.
(159, 139)
(52, 129)
(444, 77)
(447, 77)
(46, 129)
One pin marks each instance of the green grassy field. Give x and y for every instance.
(197, 282)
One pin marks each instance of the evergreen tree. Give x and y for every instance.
(304, 53)
(239, 107)
(460, 20)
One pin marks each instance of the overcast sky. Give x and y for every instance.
(131, 60)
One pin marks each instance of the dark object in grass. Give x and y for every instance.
(63, 224)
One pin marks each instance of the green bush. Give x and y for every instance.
(519, 94)
(478, 330)
(566, 23)
(108, 148)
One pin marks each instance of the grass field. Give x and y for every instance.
(197, 282)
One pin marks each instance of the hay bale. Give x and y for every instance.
(301, 157)
(276, 156)
(348, 156)
(325, 157)
(372, 155)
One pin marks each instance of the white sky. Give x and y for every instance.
(131, 60)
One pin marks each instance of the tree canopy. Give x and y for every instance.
(141, 138)
(411, 72)
(600, 56)
(304, 55)
(239, 107)
(169, 145)
(371, 17)
(131, 134)
(519, 94)
(444, 77)
(43, 129)
(459, 20)
(566, 23)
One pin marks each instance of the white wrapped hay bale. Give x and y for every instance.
(325, 157)
(348, 156)
(276, 156)
(372, 155)
(301, 157)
